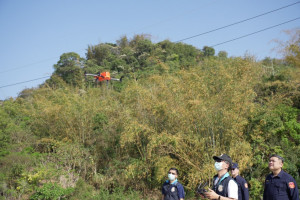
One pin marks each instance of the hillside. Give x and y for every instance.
(177, 106)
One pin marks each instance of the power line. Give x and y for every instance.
(176, 41)
(211, 46)
(256, 32)
(24, 82)
(41, 61)
(28, 65)
(238, 22)
(189, 38)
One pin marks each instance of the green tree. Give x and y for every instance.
(69, 68)
(222, 54)
(208, 51)
(123, 42)
(290, 49)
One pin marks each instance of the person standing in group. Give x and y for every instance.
(224, 187)
(172, 189)
(242, 183)
(279, 185)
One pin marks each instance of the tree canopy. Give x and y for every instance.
(177, 106)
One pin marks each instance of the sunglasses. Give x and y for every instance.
(171, 173)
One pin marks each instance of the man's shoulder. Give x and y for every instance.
(166, 183)
(240, 179)
(229, 178)
(243, 183)
(287, 176)
(179, 184)
(232, 181)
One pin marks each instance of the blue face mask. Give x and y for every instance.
(171, 177)
(218, 166)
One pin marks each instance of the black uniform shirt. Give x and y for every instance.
(243, 188)
(281, 187)
(173, 191)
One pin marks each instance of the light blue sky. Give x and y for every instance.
(34, 33)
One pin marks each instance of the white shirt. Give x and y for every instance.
(232, 189)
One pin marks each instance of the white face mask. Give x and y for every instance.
(218, 166)
(171, 177)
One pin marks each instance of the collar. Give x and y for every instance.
(222, 178)
(279, 175)
(236, 177)
(168, 181)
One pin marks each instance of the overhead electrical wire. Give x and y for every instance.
(24, 82)
(237, 22)
(29, 65)
(210, 46)
(255, 32)
(197, 36)
(181, 39)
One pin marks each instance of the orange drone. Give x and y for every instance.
(104, 76)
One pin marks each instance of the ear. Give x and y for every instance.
(226, 165)
(281, 164)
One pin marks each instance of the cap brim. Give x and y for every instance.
(216, 158)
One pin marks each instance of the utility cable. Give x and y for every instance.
(176, 41)
(28, 65)
(255, 32)
(41, 61)
(193, 37)
(24, 82)
(238, 22)
(211, 46)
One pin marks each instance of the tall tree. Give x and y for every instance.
(69, 68)
(222, 54)
(291, 48)
(208, 51)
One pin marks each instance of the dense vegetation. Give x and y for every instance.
(176, 107)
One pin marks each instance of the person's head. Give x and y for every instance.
(235, 170)
(172, 174)
(222, 162)
(275, 162)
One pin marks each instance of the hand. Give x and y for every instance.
(201, 196)
(211, 194)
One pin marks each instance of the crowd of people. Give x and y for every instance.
(278, 185)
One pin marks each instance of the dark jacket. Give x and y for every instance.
(221, 188)
(243, 188)
(280, 187)
(172, 191)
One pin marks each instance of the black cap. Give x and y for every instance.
(224, 157)
(234, 166)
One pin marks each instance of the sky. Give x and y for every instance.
(35, 33)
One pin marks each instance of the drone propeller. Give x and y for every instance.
(91, 74)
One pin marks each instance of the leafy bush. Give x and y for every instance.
(118, 193)
(50, 191)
